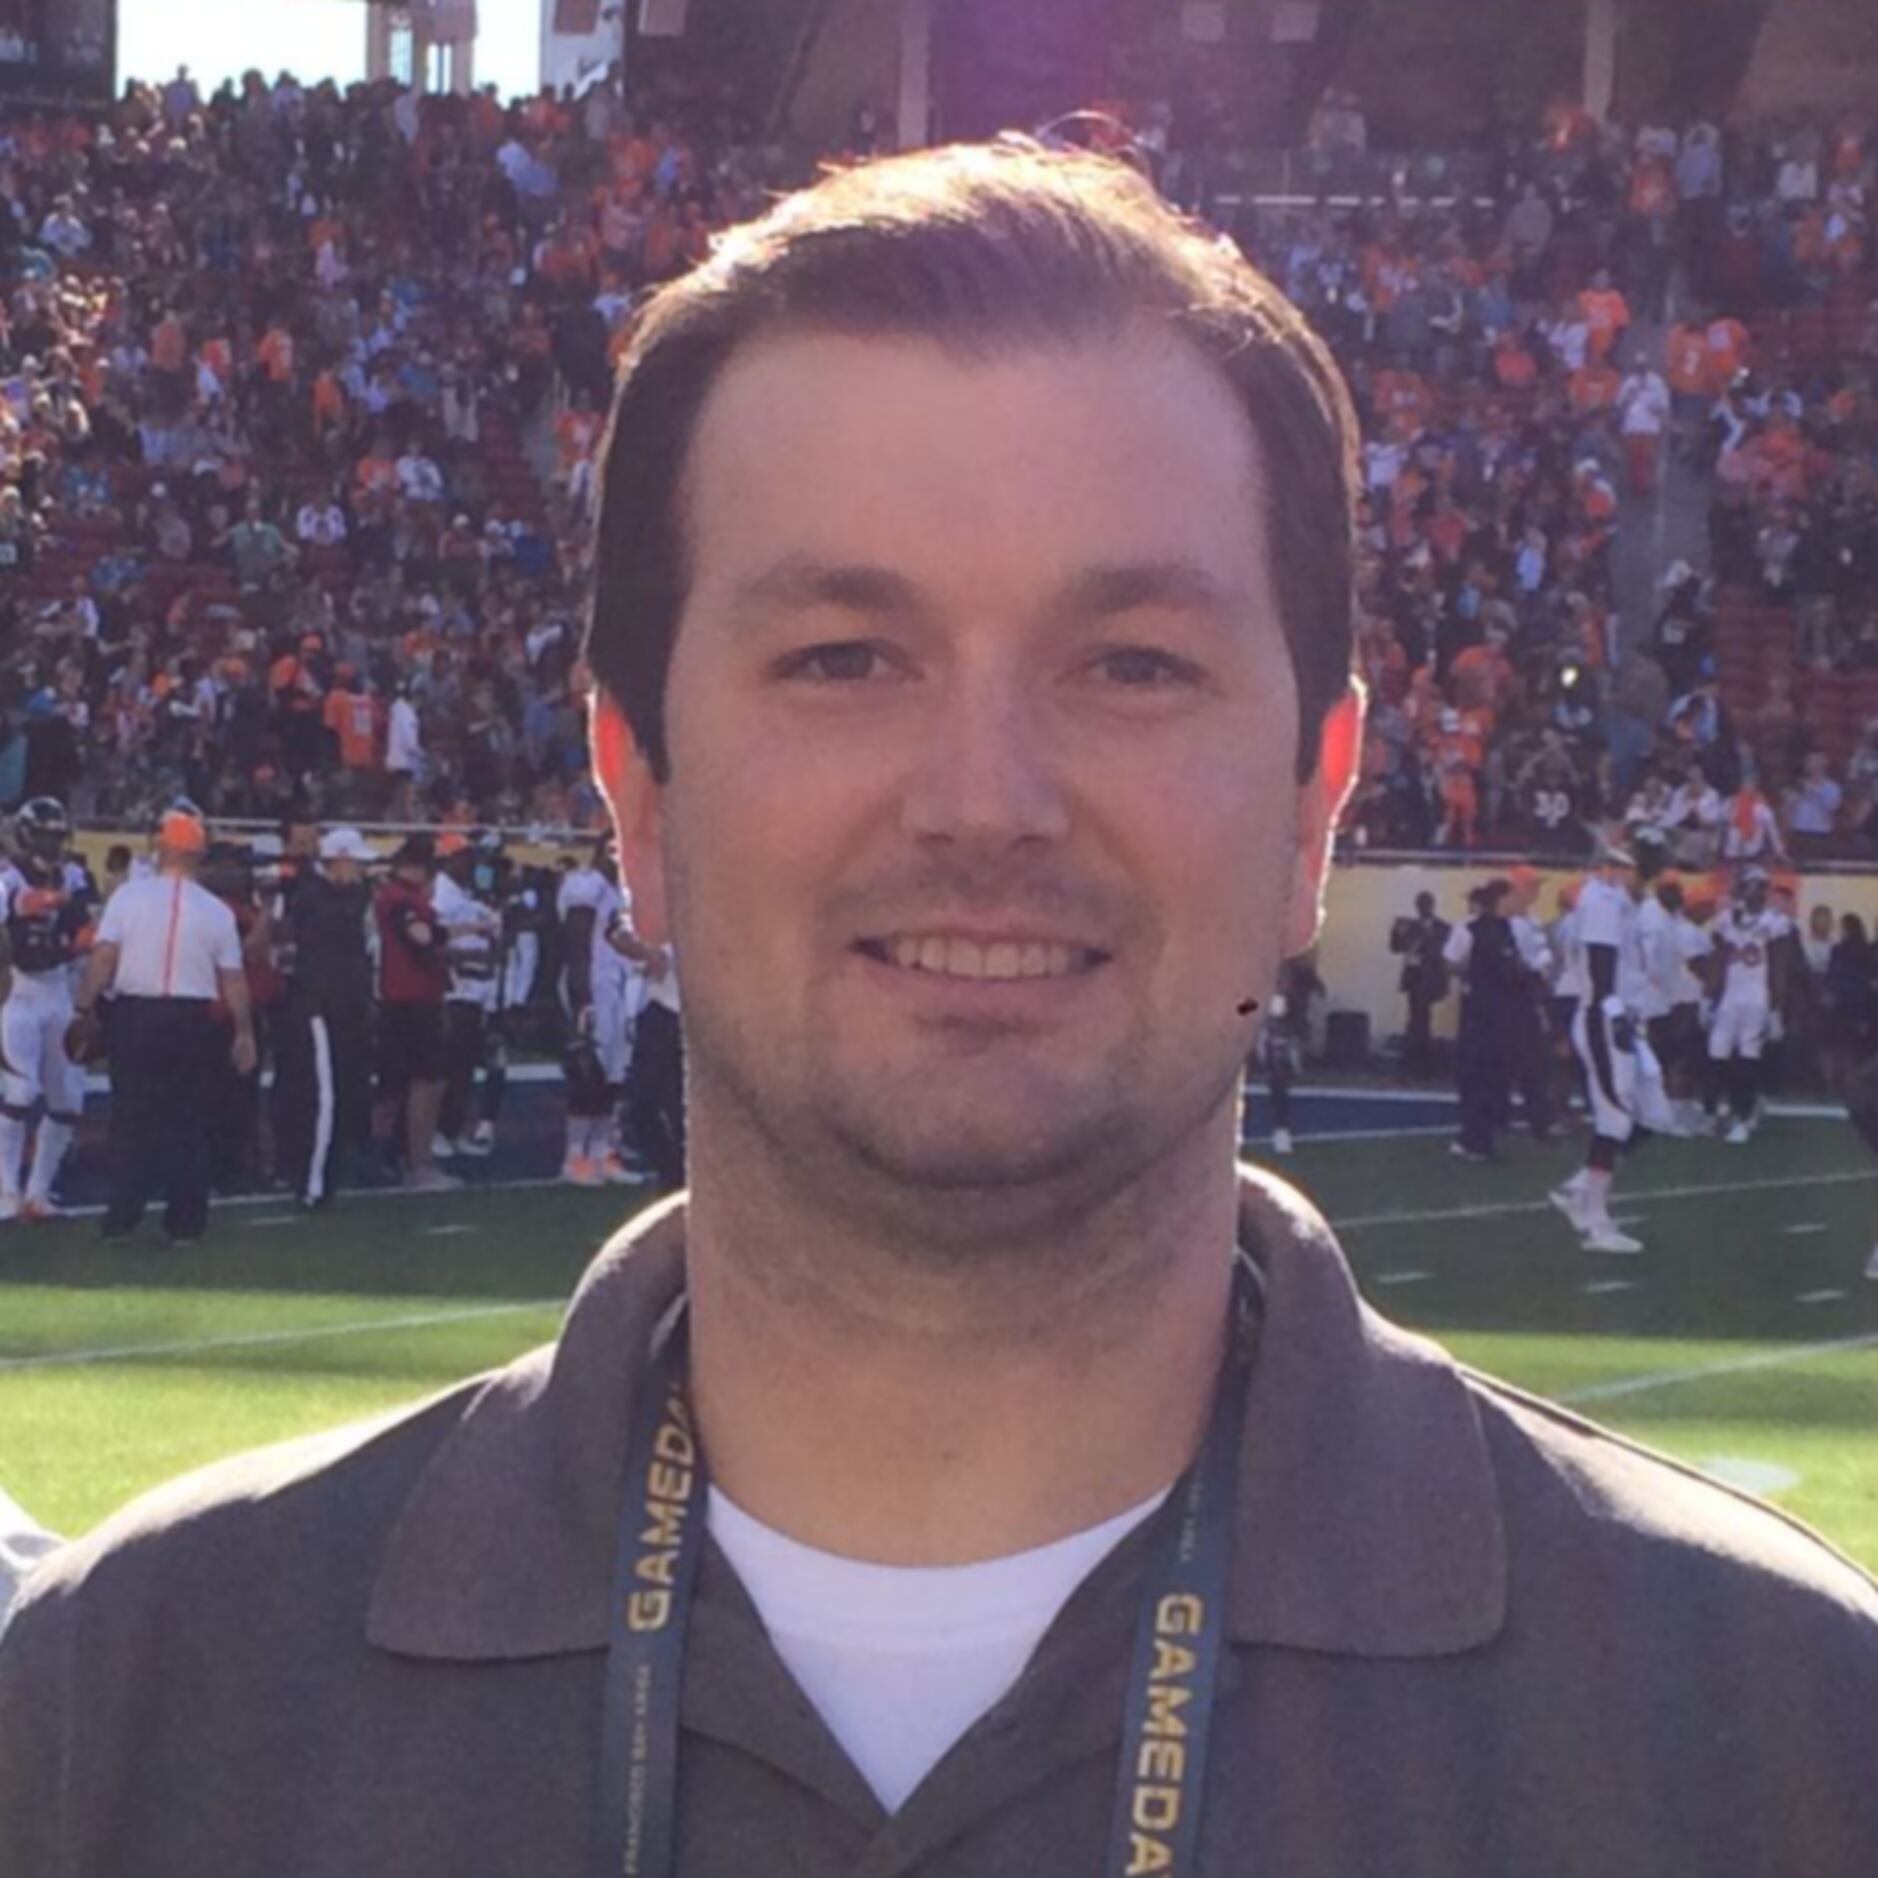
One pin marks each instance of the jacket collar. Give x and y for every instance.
(1369, 1519)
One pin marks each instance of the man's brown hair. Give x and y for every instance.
(978, 247)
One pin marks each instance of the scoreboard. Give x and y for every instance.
(63, 51)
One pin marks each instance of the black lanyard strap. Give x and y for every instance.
(1172, 1679)
(661, 1539)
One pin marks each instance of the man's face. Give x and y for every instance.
(983, 815)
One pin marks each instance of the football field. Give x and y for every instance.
(1744, 1340)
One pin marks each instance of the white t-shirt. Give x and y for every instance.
(173, 937)
(404, 742)
(900, 1661)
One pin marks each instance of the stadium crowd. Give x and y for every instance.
(278, 372)
(1629, 303)
(300, 392)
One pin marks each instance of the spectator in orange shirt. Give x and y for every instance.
(1606, 314)
(1483, 675)
(329, 404)
(1727, 342)
(1594, 386)
(356, 720)
(1686, 370)
(1515, 364)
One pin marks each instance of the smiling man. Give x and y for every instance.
(976, 1471)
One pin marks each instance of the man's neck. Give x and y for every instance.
(939, 1414)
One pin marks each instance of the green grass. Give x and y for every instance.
(286, 1326)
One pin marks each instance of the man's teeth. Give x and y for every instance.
(966, 958)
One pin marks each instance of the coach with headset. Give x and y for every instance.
(167, 949)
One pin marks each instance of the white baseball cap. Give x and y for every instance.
(346, 844)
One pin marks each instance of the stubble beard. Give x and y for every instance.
(952, 1193)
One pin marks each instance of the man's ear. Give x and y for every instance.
(637, 803)
(1320, 803)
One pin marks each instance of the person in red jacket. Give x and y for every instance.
(413, 975)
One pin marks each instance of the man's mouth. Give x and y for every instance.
(951, 955)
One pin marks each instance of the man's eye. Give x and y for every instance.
(847, 662)
(1145, 668)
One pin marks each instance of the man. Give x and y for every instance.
(324, 1039)
(167, 952)
(49, 906)
(1622, 1078)
(1277, 1057)
(979, 862)
(1643, 408)
(1494, 985)
(1751, 993)
(1420, 942)
(413, 974)
(604, 990)
(464, 897)
(1675, 954)
(1693, 819)
(656, 1083)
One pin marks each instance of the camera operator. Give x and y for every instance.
(1420, 941)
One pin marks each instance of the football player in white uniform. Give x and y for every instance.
(1624, 1082)
(1677, 955)
(605, 990)
(464, 896)
(49, 906)
(1748, 1001)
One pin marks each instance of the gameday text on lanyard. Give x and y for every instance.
(1156, 1825)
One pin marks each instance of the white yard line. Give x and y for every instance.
(1359, 1222)
(1729, 1366)
(130, 1352)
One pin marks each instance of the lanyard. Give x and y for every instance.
(1172, 1677)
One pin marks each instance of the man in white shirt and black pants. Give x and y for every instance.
(167, 950)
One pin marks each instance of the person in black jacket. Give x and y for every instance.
(1420, 942)
(325, 1034)
(1496, 984)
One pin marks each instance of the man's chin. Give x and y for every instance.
(984, 1152)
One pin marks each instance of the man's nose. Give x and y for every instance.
(988, 765)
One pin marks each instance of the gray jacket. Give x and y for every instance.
(1469, 1634)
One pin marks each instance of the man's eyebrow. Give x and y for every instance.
(1178, 585)
(798, 583)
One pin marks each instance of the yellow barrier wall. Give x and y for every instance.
(1363, 901)
(1361, 974)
